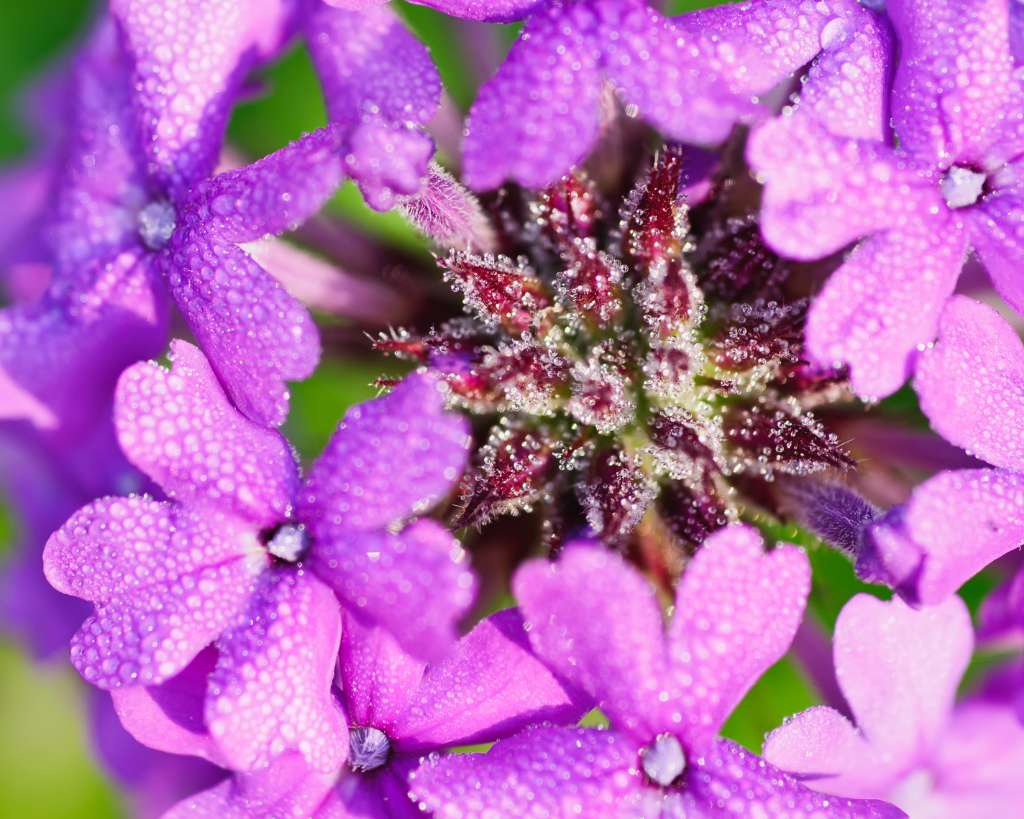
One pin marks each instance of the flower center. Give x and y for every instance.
(288, 542)
(369, 749)
(962, 187)
(663, 760)
(156, 223)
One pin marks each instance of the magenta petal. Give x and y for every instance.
(539, 115)
(255, 335)
(416, 583)
(382, 794)
(656, 67)
(378, 679)
(166, 581)
(274, 194)
(597, 622)
(959, 522)
(490, 686)
(557, 772)
(271, 689)
(884, 302)
(954, 75)
(388, 163)
(847, 87)
(971, 383)
(389, 459)
(60, 357)
(737, 610)
(288, 787)
(189, 60)
(179, 428)
(731, 775)
(823, 191)
(169, 717)
(899, 669)
(997, 234)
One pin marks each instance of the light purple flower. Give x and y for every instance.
(951, 184)
(249, 556)
(399, 710)
(666, 693)
(692, 77)
(899, 669)
(137, 214)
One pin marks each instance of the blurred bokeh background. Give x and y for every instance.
(47, 768)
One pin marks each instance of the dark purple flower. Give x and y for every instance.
(599, 624)
(249, 556)
(952, 183)
(899, 669)
(692, 77)
(398, 711)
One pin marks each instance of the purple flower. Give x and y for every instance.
(249, 557)
(692, 77)
(970, 383)
(599, 624)
(136, 212)
(899, 669)
(951, 184)
(398, 711)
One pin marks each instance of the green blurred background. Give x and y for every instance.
(46, 769)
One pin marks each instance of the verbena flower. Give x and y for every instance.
(950, 184)
(666, 693)
(627, 361)
(398, 711)
(249, 556)
(899, 670)
(693, 77)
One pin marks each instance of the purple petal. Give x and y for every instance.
(490, 686)
(274, 194)
(255, 335)
(287, 788)
(166, 581)
(958, 522)
(757, 45)
(178, 426)
(822, 745)
(997, 236)
(596, 621)
(389, 459)
(737, 610)
(899, 669)
(378, 678)
(60, 357)
(823, 191)
(169, 717)
(553, 771)
(971, 383)
(539, 114)
(731, 775)
(954, 75)
(416, 583)
(271, 689)
(490, 11)
(380, 84)
(189, 59)
(655, 66)
(847, 87)
(885, 302)
(382, 794)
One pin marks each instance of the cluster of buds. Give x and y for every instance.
(633, 368)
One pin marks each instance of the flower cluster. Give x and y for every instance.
(540, 573)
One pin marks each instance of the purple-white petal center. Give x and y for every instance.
(369, 749)
(156, 222)
(288, 542)
(962, 187)
(664, 760)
